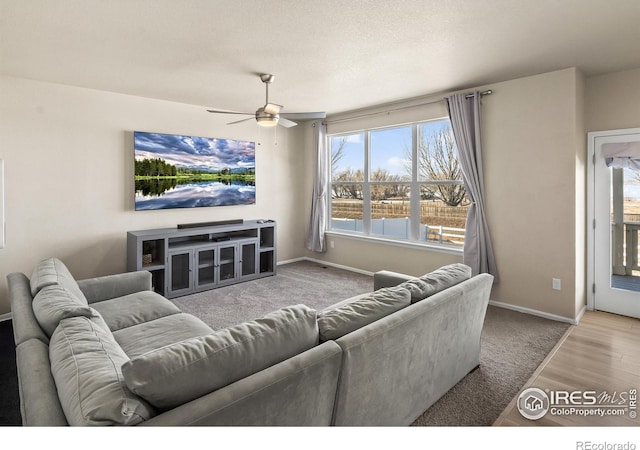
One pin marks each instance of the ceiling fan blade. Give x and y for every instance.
(241, 120)
(272, 108)
(305, 115)
(286, 122)
(217, 111)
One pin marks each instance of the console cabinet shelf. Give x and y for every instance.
(188, 260)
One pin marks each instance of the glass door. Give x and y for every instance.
(206, 264)
(180, 272)
(616, 206)
(227, 263)
(248, 259)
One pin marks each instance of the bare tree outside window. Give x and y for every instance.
(337, 153)
(423, 201)
(438, 161)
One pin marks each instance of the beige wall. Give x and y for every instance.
(68, 156)
(68, 181)
(531, 147)
(581, 197)
(613, 101)
(533, 137)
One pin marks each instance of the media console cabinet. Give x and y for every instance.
(187, 260)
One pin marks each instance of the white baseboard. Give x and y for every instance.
(580, 314)
(289, 261)
(325, 263)
(535, 312)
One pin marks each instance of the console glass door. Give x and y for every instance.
(180, 271)
(227, 263)
(206, 266)
(248, 262)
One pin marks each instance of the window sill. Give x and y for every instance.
(398, 243)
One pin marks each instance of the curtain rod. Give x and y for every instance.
(487, 92)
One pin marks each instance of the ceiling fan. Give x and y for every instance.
(269, 114)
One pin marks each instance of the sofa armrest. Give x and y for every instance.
(112, 286)
(386, 278)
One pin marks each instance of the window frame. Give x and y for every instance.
(414, 185)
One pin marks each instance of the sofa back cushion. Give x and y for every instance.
(181, 372)
(436, 281)
(52, 271)
(86, 366)
(54, 303)
(348, 316)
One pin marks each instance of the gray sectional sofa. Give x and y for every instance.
(110, 351)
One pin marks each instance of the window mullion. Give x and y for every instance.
(415, 186)
(366, 186)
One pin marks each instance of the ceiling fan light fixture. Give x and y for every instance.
(268, 116)
(265, 119)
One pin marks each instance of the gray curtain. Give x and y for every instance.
(317, 223)
(464, 114)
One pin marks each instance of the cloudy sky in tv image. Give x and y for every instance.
(199, 153)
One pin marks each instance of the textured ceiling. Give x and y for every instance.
(327, 55)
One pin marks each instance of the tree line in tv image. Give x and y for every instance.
(173, 171)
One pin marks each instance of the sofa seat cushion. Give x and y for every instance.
(50, 272)
(134, 309)
(86, 366)
(54, 303)
(152, 335)
(360, 311)
(184, 371)
(436, 281)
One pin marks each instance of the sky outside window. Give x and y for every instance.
(391, 151)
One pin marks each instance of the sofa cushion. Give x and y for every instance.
(133, 309)
(85, 363)
(54, 303)
(436, 281)
(362, 310)
(197, 366)
(152, 335)
(50, 272)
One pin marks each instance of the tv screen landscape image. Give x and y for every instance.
(175, 171)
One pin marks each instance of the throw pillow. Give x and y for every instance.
(54, 303)
(178, 373)
(85, 364)
(336, 322)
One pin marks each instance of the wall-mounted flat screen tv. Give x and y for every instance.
(175, 171)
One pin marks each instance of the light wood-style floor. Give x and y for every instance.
(601, 353)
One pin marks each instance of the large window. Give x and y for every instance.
(401, 183)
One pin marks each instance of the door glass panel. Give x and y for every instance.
(180, 269)
(625, 227)
(248, 259)
(206, 267)
(227, 263)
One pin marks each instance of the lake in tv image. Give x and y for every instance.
(175, 171)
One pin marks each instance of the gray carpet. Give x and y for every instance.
(513, 344)
(302, 282)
